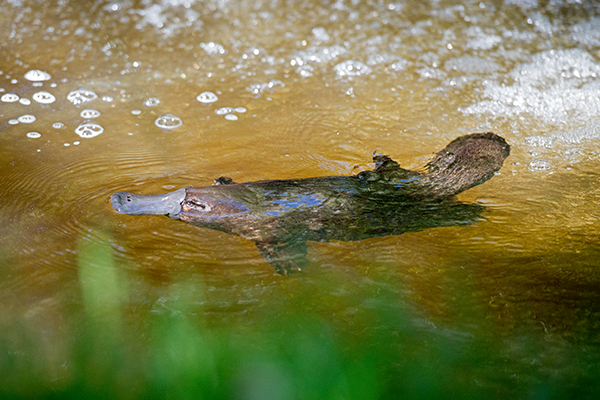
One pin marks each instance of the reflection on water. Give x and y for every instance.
(98, 97)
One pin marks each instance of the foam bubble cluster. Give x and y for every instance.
(35, 75)
(227, 112)
(540, 165)
(212, 48)
(168, 121)
(258, 88)
(207, 97)
(44, 97)
(80, 96)
(89, 129)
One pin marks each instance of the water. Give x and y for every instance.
(183, 92)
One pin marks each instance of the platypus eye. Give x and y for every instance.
(198, 205)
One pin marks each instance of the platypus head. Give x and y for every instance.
(210, 204)
(203, 205)
(466, 162)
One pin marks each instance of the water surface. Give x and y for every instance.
(148, 97)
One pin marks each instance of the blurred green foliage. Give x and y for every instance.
(294, 350)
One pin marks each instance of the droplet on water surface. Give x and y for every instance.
(33, 135)
(89, 129)
(13, 121)
(151, 102)
(9, 98)
(231, 117)
(207, 97)
(35, 75)
(351, 68)
(44, 97)
(80, 96)
(168, 121)
(240, 110)
(89, 114)
(58, 125)
(136, 112)
(223, 110)
(540, 165)
(25, 101)
(26, 119)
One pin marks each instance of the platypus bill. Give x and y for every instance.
(280, 216)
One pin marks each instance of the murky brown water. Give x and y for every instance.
(314, 88)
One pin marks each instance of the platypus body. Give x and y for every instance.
(281, 215)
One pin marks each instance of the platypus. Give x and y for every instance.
(281, 215)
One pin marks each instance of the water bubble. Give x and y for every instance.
(240, 110)
(44, 97)
(25, 101)
(259, 88)
(540, 165)
(212, 48)
(136, 112)
(89, 129)
(320, 34)
(207, 97)
(351, 68)
(231, 117)
(58, 125)
(35, 75)
(9, 98)
(76, 142)
(33, 135)
(13, 121)
(151, 102)
(168, 121)
(223, 110)
(26, 119)
(107, 99)
(80, 96)
(89, 114)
